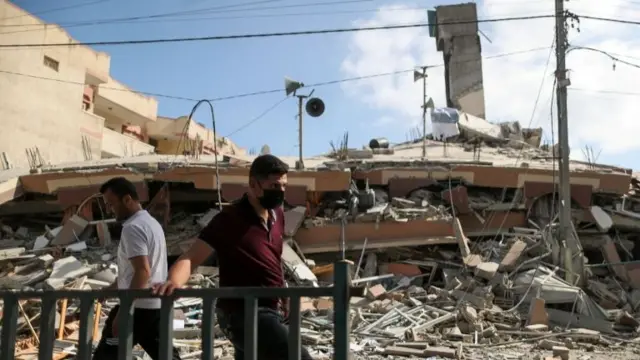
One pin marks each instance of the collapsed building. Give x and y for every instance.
(467, 233)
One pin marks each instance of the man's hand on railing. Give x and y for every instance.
(165, 288)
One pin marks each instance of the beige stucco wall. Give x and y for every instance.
(167, 132)
(136, 108)
(46, 114)
(115, 144)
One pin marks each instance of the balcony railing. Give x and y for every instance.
(340, 292)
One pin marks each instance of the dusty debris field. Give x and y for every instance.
(472, 297)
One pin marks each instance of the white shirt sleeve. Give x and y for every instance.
(135, 242)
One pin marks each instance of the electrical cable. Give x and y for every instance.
(611, 92)
(210, 10)
(252, 121)
(619, 21)
(68, 7)
(215, 145)
(272, 34)
(216, 18)
(609, 55)
(273, 91)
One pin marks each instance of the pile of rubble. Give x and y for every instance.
(498, 298)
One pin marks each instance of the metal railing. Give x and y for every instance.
(340, 292)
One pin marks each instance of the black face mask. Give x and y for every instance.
(271, 198)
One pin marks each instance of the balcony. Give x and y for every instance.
(115, 144)
(117, 103)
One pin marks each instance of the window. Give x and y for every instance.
(51, 63)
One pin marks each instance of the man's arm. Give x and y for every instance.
(141, 272)
(200, 251)
(136, 248)
(189, 261)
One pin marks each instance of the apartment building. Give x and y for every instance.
(60, 104)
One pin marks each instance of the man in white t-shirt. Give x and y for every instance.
(142, 261)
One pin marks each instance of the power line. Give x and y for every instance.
(102, 87)
(608, 54)
(611, 92)
(275, 34)
(273, 91)
(68, 7)
(148, 20)
(209, 10)
(619, 21)
(254, 120)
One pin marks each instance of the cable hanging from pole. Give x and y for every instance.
(215, 144)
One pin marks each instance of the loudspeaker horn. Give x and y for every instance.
(417, 75)
(430, 104)
(290, 86)
(315, 107)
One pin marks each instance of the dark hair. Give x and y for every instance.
(265, 165)
(121, 187)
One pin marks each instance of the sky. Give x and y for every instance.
(518, 67)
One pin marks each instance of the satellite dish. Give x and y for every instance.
(417, 75)
(290, 86)
(265, 150)
(315, 107)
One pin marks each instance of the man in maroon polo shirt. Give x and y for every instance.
(247, 237)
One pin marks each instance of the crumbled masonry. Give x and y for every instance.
(462, 260)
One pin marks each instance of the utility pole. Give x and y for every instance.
(300, 103)
(573, 259)
(417, 76)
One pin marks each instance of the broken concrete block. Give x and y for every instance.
(375, 292)
(206, 218)
(548, 344)
(561, 352)
(41, 242)
(486, 270)
(22, 233)
(7, 230)
(11, 253)
(463, 241)
(602, 219)
(104, 236)
(96, 284)
(403, 351)
(403, 269)
(45, 260)
(472, 260)
(76, 247)
(66, 269)
(403, 203)
(537, 313)
(611, 255)
(297, 267)
(440, 351)
(634, 278)
(323, 305)
(70, 231)
(511, 258)
(107, 275)
(307, 304)
(293, 219)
